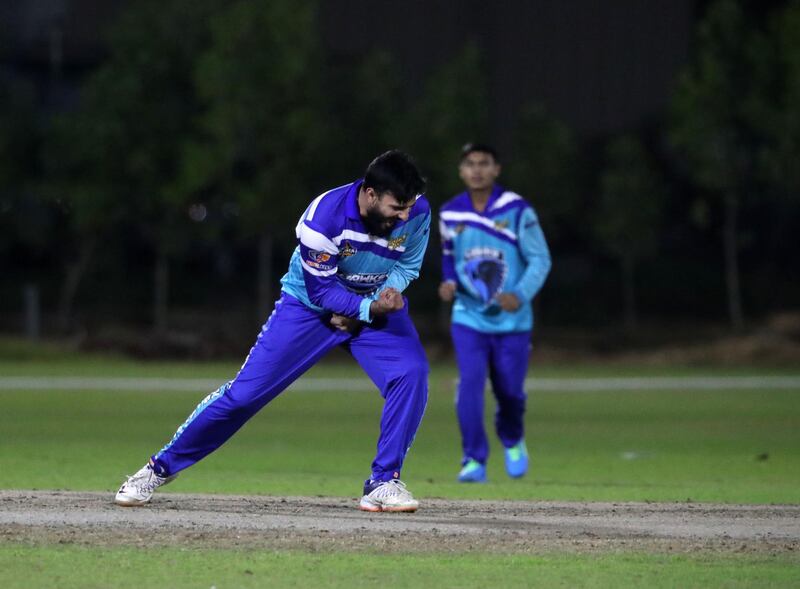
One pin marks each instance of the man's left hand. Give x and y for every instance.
(344, 323)
(508, 301)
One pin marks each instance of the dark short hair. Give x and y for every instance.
(395, 172)
(479, 147)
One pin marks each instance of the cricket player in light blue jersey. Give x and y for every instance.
(494, 261)
(359, 246)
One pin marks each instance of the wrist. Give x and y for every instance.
(365, 312)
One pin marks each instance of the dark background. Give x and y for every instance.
(655, 140)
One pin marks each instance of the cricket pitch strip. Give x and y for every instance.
(335, 524)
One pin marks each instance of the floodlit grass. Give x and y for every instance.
(22, 358)
(65, 566)
(738, 446)
(729, 446)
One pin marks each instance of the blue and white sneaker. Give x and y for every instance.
(472, 472)
(517, 460)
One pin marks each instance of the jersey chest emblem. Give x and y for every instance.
(346, 250)
(396, 242)
(501, 224)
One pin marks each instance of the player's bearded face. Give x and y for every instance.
(383, 214)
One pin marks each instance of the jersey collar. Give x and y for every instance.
(351, 206)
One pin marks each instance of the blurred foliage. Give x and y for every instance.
(629, 213)
(452, 110)
(24, 219)
(547, 169)
(781, 124)
(209, 125)
(721, 114)
(262, 130)
(631, 201)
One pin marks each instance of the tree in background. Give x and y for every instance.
(260, 140)
(81, 173)
(546, 169)
(21, 216)
(365, 109)
(452, 111)
(781, 124)
(27, 221)
(115, 158)
(715, 112)
(628, 214)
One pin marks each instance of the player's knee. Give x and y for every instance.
(416, 368)
(240, 404)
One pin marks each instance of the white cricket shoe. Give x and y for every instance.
(387, 496)
(138, 488)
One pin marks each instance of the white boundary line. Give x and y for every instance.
(598, 384)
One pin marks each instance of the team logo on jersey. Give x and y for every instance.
(319, 257)
(319, 260)
(501, 224)
(396, 242)
(459, 228)
(486, 271)
(346, 250)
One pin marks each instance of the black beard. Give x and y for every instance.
(377, 224)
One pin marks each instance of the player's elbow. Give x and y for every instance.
(547, 263)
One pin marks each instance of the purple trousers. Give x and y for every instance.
(504, 356)
(292, 340)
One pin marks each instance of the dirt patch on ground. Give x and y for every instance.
(335, 524)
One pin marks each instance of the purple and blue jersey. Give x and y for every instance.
(339, 267)
(501, 249)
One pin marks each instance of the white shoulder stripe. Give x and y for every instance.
(444, 231)
(457, 216)
(316, 272)
(505, 198)
(312, 208)
(315, 240)
(359, 237)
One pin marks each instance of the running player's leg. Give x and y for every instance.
(472, 356)
(291, 341)
(392, 355)
(509, 366)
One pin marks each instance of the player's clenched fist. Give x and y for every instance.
(508, 301)
(389, 300)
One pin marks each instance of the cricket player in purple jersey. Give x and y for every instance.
(494, 261)
(360, 245)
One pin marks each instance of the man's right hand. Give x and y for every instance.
(389, 300)
(447, 291)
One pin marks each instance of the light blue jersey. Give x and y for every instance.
(501, 249)
(339, 267)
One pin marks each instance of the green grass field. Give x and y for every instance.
(738, 446)
(68, 566)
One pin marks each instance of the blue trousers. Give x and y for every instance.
(292, 340)
(505, 357)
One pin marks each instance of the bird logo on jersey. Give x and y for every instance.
(486, 270)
